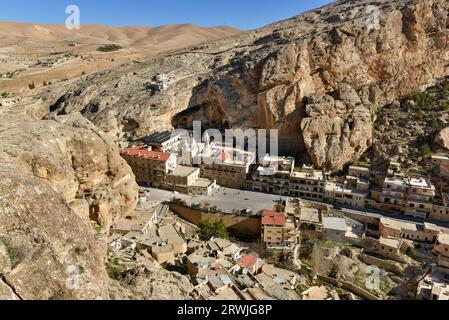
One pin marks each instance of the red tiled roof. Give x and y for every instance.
(273, 218)
(249, 260)
(145, 153)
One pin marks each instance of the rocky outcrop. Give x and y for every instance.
(263, 78)
(150, 282)
(442, 139)
(46, 252)
(77, 160)
(336, 132)
(55, 177)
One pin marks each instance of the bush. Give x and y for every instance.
(423, 100)
(12, 251)
(109, 48)
(32, 86)
(5, 94)
(425, 150)
(113, 272)
(420, 115)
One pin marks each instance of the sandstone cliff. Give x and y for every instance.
(268, 78)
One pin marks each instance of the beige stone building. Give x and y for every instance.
(182, 178)
(387, 247)
(272, 176)
(167, 141)
(308, 183)
(412, 196)
(440, 210)
(359, 172)
(442, 250)
(419, 197)
(149, 167)
(344, 195)
(228, 166)
(278, 230)
(426, 232)
(435, 286)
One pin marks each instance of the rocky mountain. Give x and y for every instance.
(319, 78)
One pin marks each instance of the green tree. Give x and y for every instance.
(216, 229)
(32, 86)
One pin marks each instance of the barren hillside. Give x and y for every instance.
(49, 53)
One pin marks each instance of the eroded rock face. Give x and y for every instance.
(336, 132)
(44, 244)
(262, 78)
(77, 160)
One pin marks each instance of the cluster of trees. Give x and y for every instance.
(213, 229)
(109, 48)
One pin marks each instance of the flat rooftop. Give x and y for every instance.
(332, 223)
(399, 225)
(202, 183)
(359, 168)
(168, 233)
(420, 183)
(161, 137)
(144, 153)
(316, 175)
(443, 238)
(440, 157)
(331, 186)
(390, 242)
(182, 171)
(309, 214)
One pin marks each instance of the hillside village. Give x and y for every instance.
(274, 254)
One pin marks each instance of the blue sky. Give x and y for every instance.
(243, 14)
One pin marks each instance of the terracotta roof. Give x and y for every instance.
(249, 260)
(273, 218)
(142, 152)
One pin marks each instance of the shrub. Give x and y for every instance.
(280, 208)
(109, 48)
(445, 105)
(5, 94)
(113, 272)
(423, 100)
(425, 150)
(32, 86)
(420, 115)
(13, 252)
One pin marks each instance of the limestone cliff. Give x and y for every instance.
(55, 177)
(268, 78)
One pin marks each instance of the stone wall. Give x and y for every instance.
(240, 226)
(384, 264)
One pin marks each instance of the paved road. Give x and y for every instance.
(226, 199)
(229, 200)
